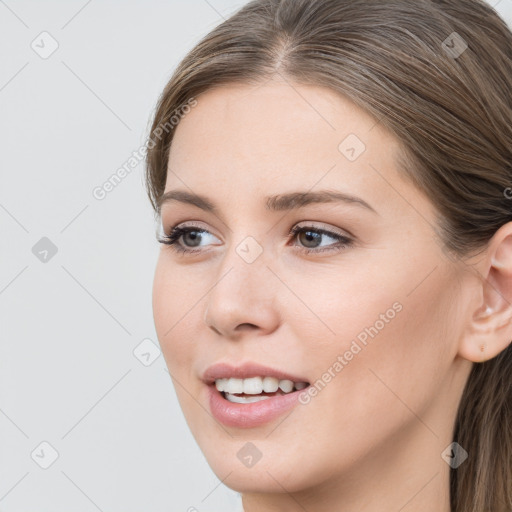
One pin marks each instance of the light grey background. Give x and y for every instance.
(69, 326)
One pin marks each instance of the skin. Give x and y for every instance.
(372, 438)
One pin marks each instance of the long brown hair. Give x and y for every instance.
(438, 75)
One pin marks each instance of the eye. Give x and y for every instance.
(313, 236)
(193, 235)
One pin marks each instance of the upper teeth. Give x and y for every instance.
(255, 385)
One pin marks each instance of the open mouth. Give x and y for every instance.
(242, 398)
(255, 390)
(252, 402)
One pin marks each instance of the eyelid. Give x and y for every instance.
(324, 227)
(306, 222)
(342, 241)
(185, 225)
(297, 225)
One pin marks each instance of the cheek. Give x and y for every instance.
(173, 312)
(341, 303)
(374, 343)
(389, 302)
(176, 321)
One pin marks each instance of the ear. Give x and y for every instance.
(489, 331)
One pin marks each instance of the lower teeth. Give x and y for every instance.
(244, 399)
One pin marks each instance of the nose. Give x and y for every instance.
(242, 298)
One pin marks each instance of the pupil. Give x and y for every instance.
(194, 235)
(311, 236)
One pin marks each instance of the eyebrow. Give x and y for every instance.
(276, 203)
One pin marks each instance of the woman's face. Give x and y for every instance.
(375, 319)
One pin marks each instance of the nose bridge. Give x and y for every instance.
(242, 292)
(243, 272)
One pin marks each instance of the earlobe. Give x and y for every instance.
(478, 344)
(489, 331)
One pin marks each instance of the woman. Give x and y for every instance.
(333, 294)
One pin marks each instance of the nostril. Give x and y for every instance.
(246, 326)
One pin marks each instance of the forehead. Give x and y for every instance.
(274, 137)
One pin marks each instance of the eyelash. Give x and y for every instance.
(176, 233)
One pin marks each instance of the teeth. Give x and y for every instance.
(257, 385)
(270, 384)
(221, 384)
(286, 385)
(235, 386)
(253, 386)
(245, 399)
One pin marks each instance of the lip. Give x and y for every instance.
(252, 414)
(245, 371)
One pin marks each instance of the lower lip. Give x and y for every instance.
(251, 414)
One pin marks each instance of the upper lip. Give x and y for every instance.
(246, 370)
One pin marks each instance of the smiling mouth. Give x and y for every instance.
(246, 398)
(254, 404)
